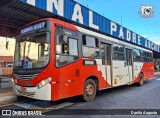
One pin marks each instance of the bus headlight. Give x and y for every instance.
(14, 81)
(43, 83)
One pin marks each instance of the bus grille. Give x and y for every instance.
(31, 94)
(25, 77)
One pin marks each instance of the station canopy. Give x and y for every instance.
(16, 13)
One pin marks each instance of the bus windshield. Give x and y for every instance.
(32, 51)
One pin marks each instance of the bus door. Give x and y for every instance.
(106, 62)
(129, 63)
(119, 66)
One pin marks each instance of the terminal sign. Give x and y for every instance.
(73, 11)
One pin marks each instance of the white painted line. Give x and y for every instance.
(28, 106)
(158, 79)
(152, 78)
(59, 106)
(44, 110)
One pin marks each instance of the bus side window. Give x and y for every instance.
(66, 48)
(73, 46)
(103, 54)
(136, 55)
(144, 56)
(149, 57)
(90, 47)
(118, 52)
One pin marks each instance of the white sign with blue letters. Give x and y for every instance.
(76, 12)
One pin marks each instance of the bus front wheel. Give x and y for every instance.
(89, 90)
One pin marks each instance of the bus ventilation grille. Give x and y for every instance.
(26, 77)
(31, 94)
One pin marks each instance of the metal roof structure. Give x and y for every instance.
(16, 13)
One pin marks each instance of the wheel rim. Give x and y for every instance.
(89, 89)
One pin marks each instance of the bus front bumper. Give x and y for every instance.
(43, 93)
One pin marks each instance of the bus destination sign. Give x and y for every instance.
(33, 27)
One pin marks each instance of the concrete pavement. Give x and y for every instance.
(6, 91)
(7, 96)
(157, 73)
(124, 97)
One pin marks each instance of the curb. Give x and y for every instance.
(5, 82)
(8, 98)
(156, 73)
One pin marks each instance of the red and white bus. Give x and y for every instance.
(56, 60)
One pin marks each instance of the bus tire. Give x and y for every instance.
(141, 80)
(89, 90)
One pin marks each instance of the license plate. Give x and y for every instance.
(23, 89)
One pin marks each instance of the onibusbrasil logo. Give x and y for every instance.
(21, 113)
(146, 11)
